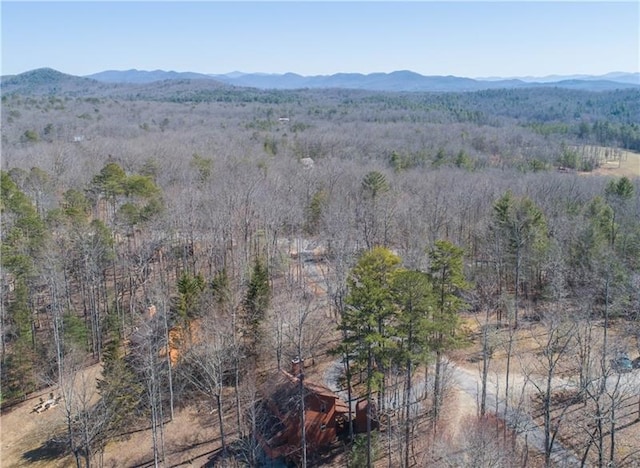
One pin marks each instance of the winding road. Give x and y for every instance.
(526, 428)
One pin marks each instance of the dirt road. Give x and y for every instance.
(470, 383)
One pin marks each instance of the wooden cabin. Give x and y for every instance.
(325, 415)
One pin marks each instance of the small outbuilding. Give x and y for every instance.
(362, 413)
(307, 162)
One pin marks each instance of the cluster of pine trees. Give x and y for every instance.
(397, 319)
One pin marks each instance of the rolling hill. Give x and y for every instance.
(159, 84)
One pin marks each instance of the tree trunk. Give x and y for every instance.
(169, 364)
(485, 365)
(437, 397)
(303, 429)
(547, 422)
(368, 394)
(506, 388)
(349, 395)
(612, 435)
(237, 395)
(407, 422)
(221, 422)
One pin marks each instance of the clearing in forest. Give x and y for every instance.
(628, 164)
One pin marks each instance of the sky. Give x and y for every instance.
(471, 39)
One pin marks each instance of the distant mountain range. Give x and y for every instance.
(618, 77)
(395, 81)
(48, 81)
(142, 76)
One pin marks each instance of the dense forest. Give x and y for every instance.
(164, 234)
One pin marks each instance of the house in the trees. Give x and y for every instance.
(326, 415)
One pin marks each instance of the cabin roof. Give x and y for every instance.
(283, 391)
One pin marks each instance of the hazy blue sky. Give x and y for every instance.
(472, 39)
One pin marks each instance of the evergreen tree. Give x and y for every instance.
(257, 300)
(412, 294)
(521, 226)
(119, 388)
(110, 183)
(374, 184)
(190, 288)
(592, 242)
(447, 277)
(23, 237)
(369, 311)
(624, 228)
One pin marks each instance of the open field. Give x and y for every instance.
(25, 432)
(626, 163)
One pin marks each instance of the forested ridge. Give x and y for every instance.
(161, 234)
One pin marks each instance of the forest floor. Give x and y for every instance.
(24, 433)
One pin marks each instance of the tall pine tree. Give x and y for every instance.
(447, 277)
(256, 302)
(369, 312)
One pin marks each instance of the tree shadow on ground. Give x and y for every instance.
(48, 451)
(237, 451)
